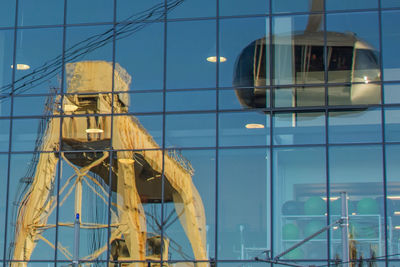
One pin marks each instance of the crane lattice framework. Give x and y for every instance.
(138, 156)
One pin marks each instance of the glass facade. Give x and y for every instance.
(199, 133)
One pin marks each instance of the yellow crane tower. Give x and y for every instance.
(88, 125)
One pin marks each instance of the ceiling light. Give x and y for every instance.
(214, 59)
(331, 198)
(397, 213)
(394, 197)
(94, 130)
(126, 161)
(22, 67)
(254, 126)
(397, 227)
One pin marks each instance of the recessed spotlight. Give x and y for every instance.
(214, 59)
(94, 130)
(126, 161)
(22, 67)
(254, 126)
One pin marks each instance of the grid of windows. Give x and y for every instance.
(198, 133)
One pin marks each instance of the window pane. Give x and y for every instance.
(238, 7)
(5, 106)
(7, 13)
(392, 126)
(189, 45)
(299, 97)
(243, 129)
(190, 130)
(32, 195)
(93, 211)
(283, 6)
(296, 60)
(140, 52)
(353, 47)
(355, 127)
(393, 195)
(38, 60)
(299, 128)
(192, 8)
(390, 3)
(35, 105)
(390, 44)
(244, 221)
(191, 100)
(6, 57)
(47, 12)
(357, 170)
(3, 194)
(300, 208)
(355, 4)
(392, 93)
(237, 99)
(183, 246)
(89, 43)
(137, 132)
(29, 135)
(136, 10)
(89, 11)
(245, 53)
(145, 102)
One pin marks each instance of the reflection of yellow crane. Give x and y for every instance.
(136, 169)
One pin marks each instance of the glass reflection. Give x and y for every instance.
(354, 4)
(299, 97)
(300, 201)
(391, 93)
(131, 177)
(141, 53)
(7, 13)
(6, 57)
(26, 132)
(228, 98)
(89, 11)
(145, 102)
(299, 128)
(238, 7)
(393, 197)
(244, 211)
(48, 12)
(37, 59)
(5, 106)
(189, 45)
(190, 9)
(285, 6)
(4, 134)
(190, 130)
(238, 46)
(202, 164)
(127, 8)
(392, 125)
(390, 44)
(22, 178)
(243, 129)
(355, 126)
(3, 194)
(191, 100)
(32, 106)
(357, 170)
